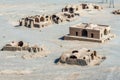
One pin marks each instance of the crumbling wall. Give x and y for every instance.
(117, 12)
(81, 57)
(21, 46)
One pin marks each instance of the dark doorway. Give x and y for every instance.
(71, 10)
(92, 35)
(76, 33)
(105, 32)
(66, 9)
(20, 43)
(36, 20)
(84, 33)
(42, 19)
(92, 56)
(73, 57)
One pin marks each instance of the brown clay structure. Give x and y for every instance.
(117, 12)
(90, 32)
(62, 17)
(45, 20)
(37, 21)
(21, 46)
(76, 8)
(68, 13)
(82, 57)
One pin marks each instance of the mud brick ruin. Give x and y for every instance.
(68, 13)
(37, 21)
(62, 17)
(78, 7)
(21, 46)
(117, 12)
(90, 32)
(82, 57)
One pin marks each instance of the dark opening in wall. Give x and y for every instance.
(92, 35)
(36, 20)
(84, 6)
(66, 9)
(73, 57)
(20, 43)
(84, 33)
(75, 51)
(42, 19)
(47, 16)
(71, 10)
(76, 9)
(76, 33)
(105, 32)
(92, 56)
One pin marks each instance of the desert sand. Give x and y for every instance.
(13, 66)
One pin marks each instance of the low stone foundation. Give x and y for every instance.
(68, 37)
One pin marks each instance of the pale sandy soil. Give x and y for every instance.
(13, 67)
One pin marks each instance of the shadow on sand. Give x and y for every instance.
(56, 60)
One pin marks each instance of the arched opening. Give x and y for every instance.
(42, 25)
(66, 9)
(76, 9)
(26, 19)
(72, 15)
(84, 33)
(36, 20)
(88, 50)
(95, 53)
(69, 16)
(92, 56)
(71, 10)
(47, 16)
(20, 23)
(57, 18)
(84, 58)
(76, 33)
(105, 32)
(20, 43)
(42, 19)
(53, 16)
(84, 6)
(73, 57)
(75, 51)
(92, 35)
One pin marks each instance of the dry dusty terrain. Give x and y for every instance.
(13, 67)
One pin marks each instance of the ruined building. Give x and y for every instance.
(37, 21)
(62, 17)
(89, 32)
(21, 46)
(76, 8)
(116, 12)
(82, 57)
(68, 13)
(40, 21)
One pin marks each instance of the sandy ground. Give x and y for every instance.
(13, 67)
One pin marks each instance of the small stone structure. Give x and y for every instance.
(76, 8)
(116, 12)
(62, 17)
(68, 13)
(21, 46)
(90, 32)
(82, 57)
(37, 21)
